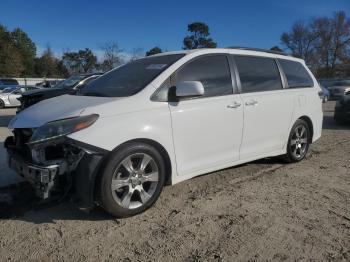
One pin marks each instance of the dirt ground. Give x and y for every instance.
(265, 210)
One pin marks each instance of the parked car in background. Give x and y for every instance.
(67, 86)
(7, 82)
(337, 87)
(10, 95)
(325, 94)
(164, 119)
(342, 109)
(48, 83)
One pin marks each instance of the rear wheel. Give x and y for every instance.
(298, 142)
(2, 104)
(132, 180)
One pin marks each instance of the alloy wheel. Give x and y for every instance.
(135, 180)
(299, 141)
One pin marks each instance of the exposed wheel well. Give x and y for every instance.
(309, 123)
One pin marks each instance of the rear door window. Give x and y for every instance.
(258, 74)
(296, 74)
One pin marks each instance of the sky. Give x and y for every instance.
(78, 24)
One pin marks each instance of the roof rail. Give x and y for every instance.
(259, 50)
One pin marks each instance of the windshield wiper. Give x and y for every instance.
(92, 94)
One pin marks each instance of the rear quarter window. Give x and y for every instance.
(296, 74)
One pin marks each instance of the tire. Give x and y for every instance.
(135, 186)
(2, 104)
(298, 142)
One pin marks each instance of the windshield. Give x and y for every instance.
(70, 82)
(130, 78)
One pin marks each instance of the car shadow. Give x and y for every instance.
(18, 202)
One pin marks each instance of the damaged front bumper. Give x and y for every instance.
(57, 166)
(43, 178)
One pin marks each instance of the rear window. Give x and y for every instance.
(296, 74)
(130, 78)
(258, 74)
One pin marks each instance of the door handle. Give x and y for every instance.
(251, 103)
(234, 105)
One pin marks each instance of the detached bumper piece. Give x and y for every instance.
(42, 178)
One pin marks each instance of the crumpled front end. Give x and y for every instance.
(56, 166)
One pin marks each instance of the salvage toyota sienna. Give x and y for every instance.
(164, 119)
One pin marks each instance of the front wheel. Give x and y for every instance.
(298, 142)
(132, 180)
(2, 104)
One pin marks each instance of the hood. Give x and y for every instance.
(54, 109)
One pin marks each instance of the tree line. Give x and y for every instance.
(323, 42)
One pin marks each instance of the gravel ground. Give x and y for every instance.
(265, 210)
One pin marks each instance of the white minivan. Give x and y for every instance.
(164, 119)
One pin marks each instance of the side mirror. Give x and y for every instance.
(189, 89)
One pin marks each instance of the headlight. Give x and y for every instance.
(62, 127)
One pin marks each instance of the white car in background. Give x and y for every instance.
(9, 96)
(165, 119)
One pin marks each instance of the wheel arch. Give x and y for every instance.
(164, 153)
(310, 124)
(151, 142)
